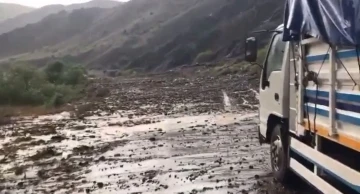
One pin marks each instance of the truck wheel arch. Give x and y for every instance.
(272, 121)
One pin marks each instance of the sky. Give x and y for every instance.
(40, 3)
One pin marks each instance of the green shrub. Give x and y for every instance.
(204, 57)
(20, 85)
(55, 85)
(73, 75)
(59, 73)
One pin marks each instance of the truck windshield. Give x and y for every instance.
(276, 55)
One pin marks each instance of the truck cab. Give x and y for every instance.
(273, 90)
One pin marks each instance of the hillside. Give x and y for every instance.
(8, 10)
(39, 14)
(142, 34)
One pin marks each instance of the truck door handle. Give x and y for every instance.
(276, 96)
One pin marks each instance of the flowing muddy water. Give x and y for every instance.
(174, 154)
(161, 136)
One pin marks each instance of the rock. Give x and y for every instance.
(41, 173)
(152, 139)
(20, 184)
(102, 158)
(19, 171)
(102, 92)
(80, 127)
(45, 153)
(83, 163)
(87, 171)
(83, 149)
(100, 185)
(164, 186)
(115, 124)
(57, 138)
(23, 139)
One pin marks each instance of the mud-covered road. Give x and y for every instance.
(160, 134)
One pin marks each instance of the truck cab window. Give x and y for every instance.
(275, 56)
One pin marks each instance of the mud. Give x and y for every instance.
(159, 134)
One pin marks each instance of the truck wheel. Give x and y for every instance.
(279, 156)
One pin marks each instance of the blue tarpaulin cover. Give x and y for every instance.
(334, 21)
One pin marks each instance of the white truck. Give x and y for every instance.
(310, 96)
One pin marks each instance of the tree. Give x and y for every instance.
(54, 72)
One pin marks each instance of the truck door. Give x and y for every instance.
(272, 83)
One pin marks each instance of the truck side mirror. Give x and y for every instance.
(251, 49)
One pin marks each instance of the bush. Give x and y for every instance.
(58, 73)
(74, 75)
(56, 85)
(20, 85)
(204, 57)
(54, 72)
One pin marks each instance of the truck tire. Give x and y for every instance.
(279, 156)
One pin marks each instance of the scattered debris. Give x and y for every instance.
(150, 134)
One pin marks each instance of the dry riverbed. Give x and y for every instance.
(158, 134)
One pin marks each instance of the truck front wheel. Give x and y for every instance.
(279, 155)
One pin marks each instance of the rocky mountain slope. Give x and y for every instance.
(37, 15)
(9, 10)
(142, 34)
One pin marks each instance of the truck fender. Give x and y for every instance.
(272, 121)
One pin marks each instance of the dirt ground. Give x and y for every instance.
(166, 133)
